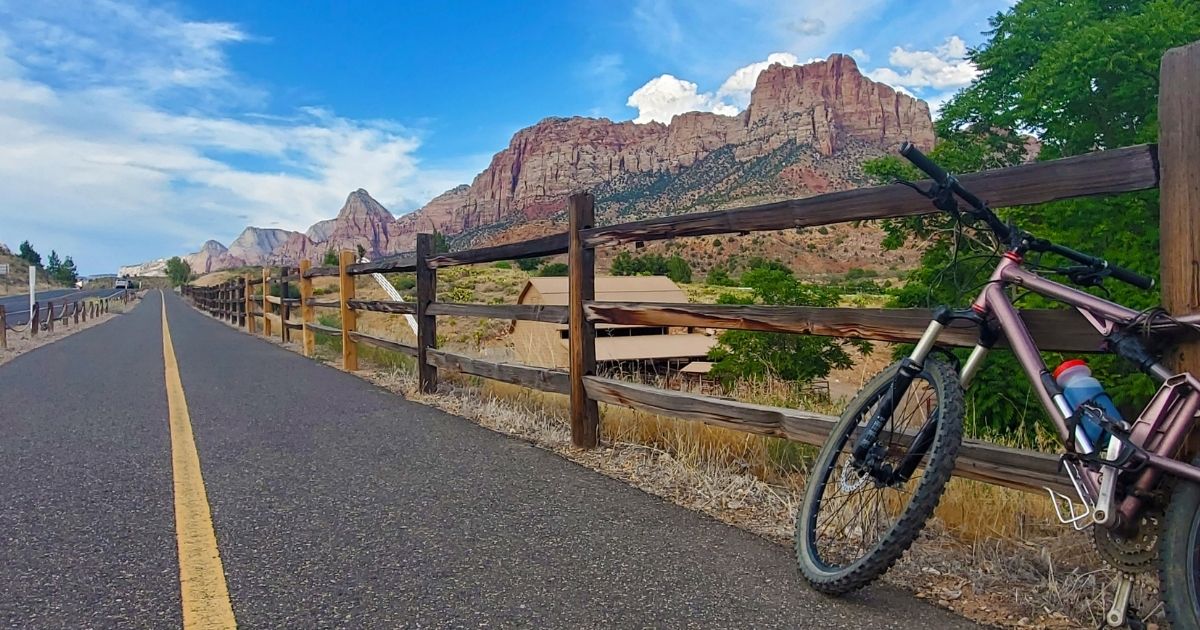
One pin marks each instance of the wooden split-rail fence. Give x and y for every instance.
(43, 316)
(1170, 166)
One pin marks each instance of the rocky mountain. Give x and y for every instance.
(254, 245)
(363, 222)
(150, 269)
(211, 257)
(807, 130)
(321, 230)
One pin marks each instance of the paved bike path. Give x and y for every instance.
(338, 504)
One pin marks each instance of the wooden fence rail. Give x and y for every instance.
(1107, 172)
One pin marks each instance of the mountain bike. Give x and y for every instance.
(882, 470)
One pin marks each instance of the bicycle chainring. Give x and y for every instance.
(1135, 554)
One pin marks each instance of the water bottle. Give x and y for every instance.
(1075, 379)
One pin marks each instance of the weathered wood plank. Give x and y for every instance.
(543, 379)
(426, 323)
(1020, 469)
(322, 272)
(544, 246)
(380, 342)
(307, 339)
(337, 332)
(581, 288)
(349, 317)
(400, 262)
(383, 306)
(1054, 329)
(527, 312)
(273, 299)
(1100, 173)
(329, 303)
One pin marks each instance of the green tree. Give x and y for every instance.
(553, 269)
(718, 277)
(440, 244)
(1082, 75)
(179, 271)
(530, 264)
(331, 258)
(743, 354)
(53, 264)
(624, 264)
(28, 254)
(678, 269)
(67, 274)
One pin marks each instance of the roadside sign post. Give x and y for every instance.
(4, 272)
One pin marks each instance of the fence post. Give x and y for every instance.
(1179, 192)
(581, 261)
(307, 337)
(3, 329)
(75, 311)
(349, 317)
(249, 306)
(50, 316)
(240, 301)
(285, 309)
(427, 375)
(266, 306)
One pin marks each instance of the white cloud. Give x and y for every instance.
(738, 86)
(665, 96)
(118, 145)
(860, 55)
(945, 67)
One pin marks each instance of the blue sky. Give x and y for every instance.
(135, 130)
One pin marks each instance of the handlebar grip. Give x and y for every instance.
(919, 160)
(1130, 277)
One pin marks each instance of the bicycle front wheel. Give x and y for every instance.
(853, 525)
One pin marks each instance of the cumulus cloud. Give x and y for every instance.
(945, 67)
(736, 89)
(665, 96)
(119, 144)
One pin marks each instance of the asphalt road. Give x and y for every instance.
(339, 505)
(16, 307)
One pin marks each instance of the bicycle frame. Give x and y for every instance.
(1160, 429)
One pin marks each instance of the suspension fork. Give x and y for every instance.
(910, 367)
(923, 440)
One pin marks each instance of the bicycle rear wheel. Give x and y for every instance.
(852, 527)
(1179, 556)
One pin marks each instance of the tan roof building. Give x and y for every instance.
(543, 344)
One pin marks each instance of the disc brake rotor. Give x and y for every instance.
(851, 479)
(1135, 554)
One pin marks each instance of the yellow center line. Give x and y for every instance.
(201, 577)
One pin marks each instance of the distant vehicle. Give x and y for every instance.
(122, 283)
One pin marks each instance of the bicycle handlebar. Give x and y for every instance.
(946, 180)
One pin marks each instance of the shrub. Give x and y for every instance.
(553, 269)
